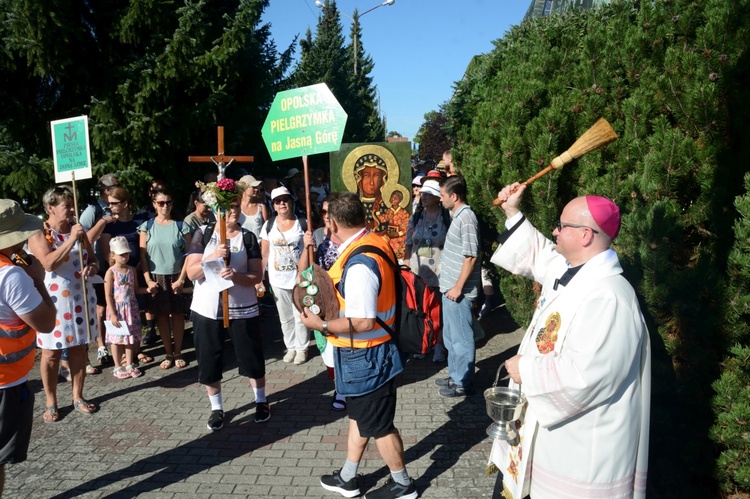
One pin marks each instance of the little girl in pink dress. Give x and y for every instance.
(121, 286)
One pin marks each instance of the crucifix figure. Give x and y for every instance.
(221, 160)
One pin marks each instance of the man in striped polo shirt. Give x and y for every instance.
(460, 279)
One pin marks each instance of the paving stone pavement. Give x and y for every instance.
(149, 438)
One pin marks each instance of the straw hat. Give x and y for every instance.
(15, 225)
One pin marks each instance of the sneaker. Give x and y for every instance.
(392, 489)
(289, 357)
(216, 421)
(454, 391)
(300, 358)
(443, 382)
(334, 483)
(262, 412)
(102, 355)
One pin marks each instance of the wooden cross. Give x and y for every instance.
(221, 160)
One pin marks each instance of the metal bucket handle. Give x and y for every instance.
(497, 377)
(499, 370)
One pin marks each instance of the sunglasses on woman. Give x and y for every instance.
(163, 203)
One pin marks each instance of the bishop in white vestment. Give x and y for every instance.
(584, 363)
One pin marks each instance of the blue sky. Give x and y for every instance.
(420, 47)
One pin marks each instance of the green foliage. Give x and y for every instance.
(670, 76)
(732, 401)
(432, 136)
(155, 79)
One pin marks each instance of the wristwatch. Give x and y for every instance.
(325, 329)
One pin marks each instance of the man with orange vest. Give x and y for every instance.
(366, 359)
(25, 308)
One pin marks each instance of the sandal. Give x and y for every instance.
(51, 415)
(120, 373)
(92, 370)
(168, 362)
(133, 372)
(179, 362)
(142, 357)
(84, 407)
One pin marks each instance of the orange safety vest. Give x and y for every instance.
(386, 304)
(17, 347)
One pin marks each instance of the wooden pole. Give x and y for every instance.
(80, 259)
(225, 293)
(308, 207)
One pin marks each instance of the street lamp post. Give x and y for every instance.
(321, 4)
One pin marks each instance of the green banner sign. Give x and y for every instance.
(304, 121)
(70, 149)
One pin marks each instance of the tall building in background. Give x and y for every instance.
(540, 8)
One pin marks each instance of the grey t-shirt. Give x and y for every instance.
(461, 241)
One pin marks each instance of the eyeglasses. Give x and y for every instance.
(113, 203)
(560, 225)
(324, 212)
(163, 203)
(282, 200)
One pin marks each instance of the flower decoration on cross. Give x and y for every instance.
(219, 195)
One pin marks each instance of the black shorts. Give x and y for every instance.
(375, 411)
(16, 414)
(208, 338)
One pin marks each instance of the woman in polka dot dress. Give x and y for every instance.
(56, 247)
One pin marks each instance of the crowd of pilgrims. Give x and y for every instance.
(145, 290)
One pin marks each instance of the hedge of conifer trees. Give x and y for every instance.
(671, 76)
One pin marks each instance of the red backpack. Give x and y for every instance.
(418, 324)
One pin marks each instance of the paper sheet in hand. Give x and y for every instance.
(211, 269)
(117, 331)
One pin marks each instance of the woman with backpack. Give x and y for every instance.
(163, 242)
(281, 246)
(425, 236)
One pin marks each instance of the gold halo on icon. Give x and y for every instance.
(347, 173)
(405, 199)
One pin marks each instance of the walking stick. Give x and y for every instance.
(80, 259)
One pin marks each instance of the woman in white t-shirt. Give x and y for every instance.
(281, 246)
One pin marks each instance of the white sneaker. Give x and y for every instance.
(300, 358)
(289, 357)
